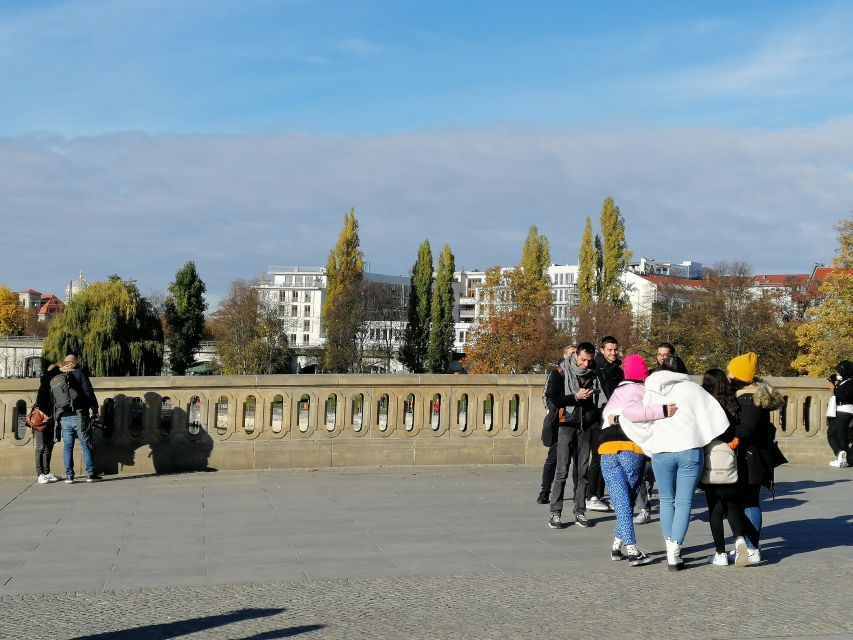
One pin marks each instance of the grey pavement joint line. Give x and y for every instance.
(17, 495)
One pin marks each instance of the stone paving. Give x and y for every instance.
(398, 553)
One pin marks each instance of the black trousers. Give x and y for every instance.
(838, 433)
(723, 504)
(548, 469)
(595, 480)
(573, 448)
(44, 448)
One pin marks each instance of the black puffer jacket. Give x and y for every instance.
(757, 434)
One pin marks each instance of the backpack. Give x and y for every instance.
(549, 424)
(64, 393)
(720, 463)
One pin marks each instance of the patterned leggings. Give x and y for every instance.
(622, 474)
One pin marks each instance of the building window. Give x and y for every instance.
(292, 338)
(282, 296)
(306, 325)
(294, 296)
(305, 338)
(294, 310)
(307, 310)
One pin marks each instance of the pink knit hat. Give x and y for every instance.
(635, 368)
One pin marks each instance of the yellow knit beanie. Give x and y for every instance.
(743, 367)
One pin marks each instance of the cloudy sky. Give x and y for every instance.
(138, 134)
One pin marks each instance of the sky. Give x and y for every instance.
(138, 134)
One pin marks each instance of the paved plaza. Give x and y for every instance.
(450, 552)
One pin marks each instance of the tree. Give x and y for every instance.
(113, 329)
(250, 336)
(826, 337)
(341, 317)
(12, 314)
(184, 313)
(586, 267)
(416, 338)
(536, 255)
(440, 347)
(614, 254)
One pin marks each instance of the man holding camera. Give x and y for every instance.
(574, 393)
(73, 402)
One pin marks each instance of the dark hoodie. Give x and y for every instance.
(609, 375)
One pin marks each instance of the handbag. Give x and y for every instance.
(549, 424)
(37, 419)
(720, 463)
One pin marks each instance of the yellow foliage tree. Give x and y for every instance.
(12, 314)
(827, 335)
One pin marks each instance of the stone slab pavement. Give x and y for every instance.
(436, 552)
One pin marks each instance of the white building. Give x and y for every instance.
(651, 267)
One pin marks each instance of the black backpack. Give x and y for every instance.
(63, 391)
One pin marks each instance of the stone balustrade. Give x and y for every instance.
(164, 424)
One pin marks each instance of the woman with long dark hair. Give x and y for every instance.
(45, 439)
(723, 499)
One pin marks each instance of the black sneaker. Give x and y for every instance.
(638, 559)
(544, 498)
(581, 521)
(554, 520)
(94, 478)
(616, 553)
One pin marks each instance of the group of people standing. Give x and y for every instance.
(616, 419)
(66, 397)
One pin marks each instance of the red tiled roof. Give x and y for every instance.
(31, 292)
(677, 282)
(780, 279)
(52, 306)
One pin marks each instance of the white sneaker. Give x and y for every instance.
(594, 504)
(753, 556)
(42, 479)
(643, 517)
(741, 553)
(719, 559)
(51, 478)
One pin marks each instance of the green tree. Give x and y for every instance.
(12, 314)
(586, 267)
(536, 255)
(250, 336)
(826, 337)
(614, 254)
(184, 313)
(113, 329)
(342, 308)
(440, 346)
(416, 338)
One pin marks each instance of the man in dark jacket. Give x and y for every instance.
(572, 391)
(550, 465)
(74, 402)
(608, 372)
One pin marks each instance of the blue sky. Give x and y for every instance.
(220, 121)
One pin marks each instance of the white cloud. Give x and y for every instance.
(141, 205)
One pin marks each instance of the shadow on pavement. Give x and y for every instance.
(801, 536)
(178, 628)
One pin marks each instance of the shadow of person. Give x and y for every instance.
(786, 539)
(178, 628)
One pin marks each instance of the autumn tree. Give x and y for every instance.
(440, 347)
(112, 328)
(536, 255)
(827, 335)
(416, 339)
(341, 308)
(587, 270)
(183, 310)
(12, 314)
(250, 336)
(614, 254)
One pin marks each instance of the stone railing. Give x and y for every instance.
(167, 424)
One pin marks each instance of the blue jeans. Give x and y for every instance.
(677, 475)
(72, 426)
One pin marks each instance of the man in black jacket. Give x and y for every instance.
(572, 390)
(550, 465)
(73, 402)
(608, 372)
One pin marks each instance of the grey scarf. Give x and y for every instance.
(573, 374)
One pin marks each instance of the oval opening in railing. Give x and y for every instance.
(165, 417)
(331, 412)
(277, 414)
(462, 412)
(357, 411)
(304, 412)
(409, 412)
(382, 412)
(20, 420)
(249, 407)
(108, 417)
(435, 412)
(221, 416)
(783, 414)
(195, 416)
(137, 417)
(807, 414)
(488, 407)
(513, 412)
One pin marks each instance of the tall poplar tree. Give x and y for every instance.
(586, 267)
(341, 308)
(441, 327)
(113, 329)
(416, 338)
(184, 312)
(536, 255)
(614, 255)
